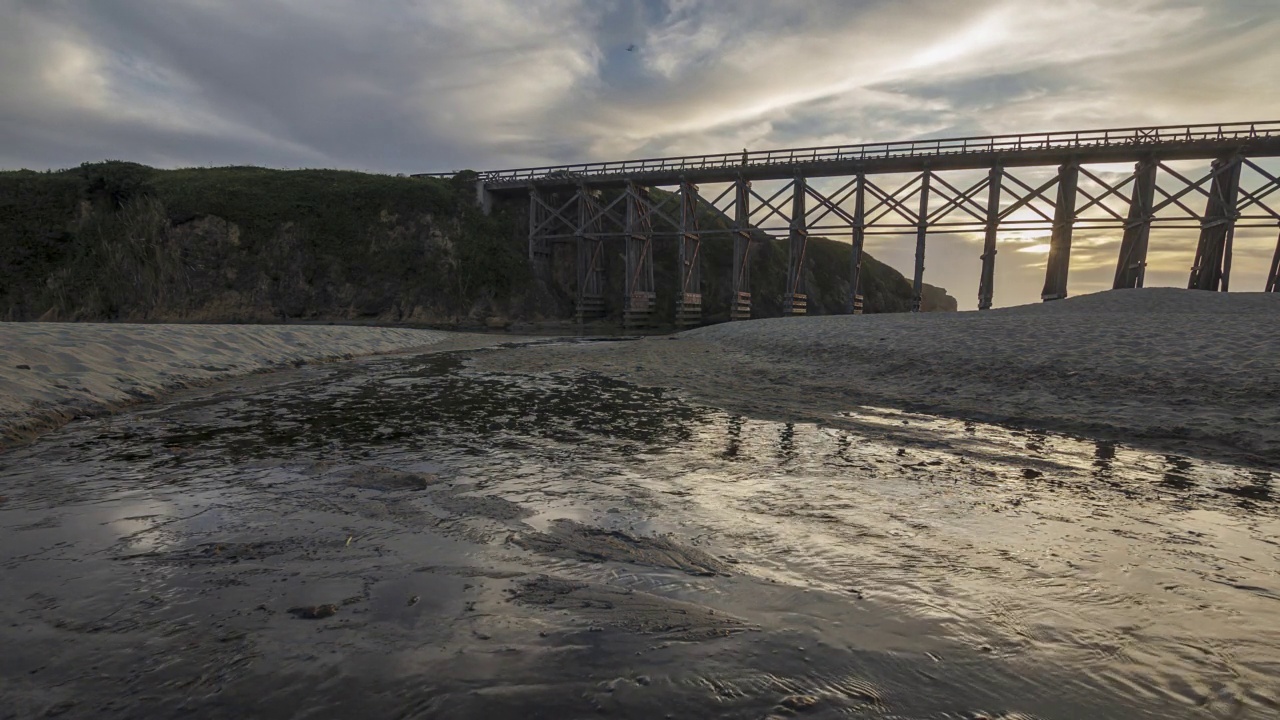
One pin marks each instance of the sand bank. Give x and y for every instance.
(1158, 363)
(53, 372)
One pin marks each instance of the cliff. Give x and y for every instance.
(125, 242)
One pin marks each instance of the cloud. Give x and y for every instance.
(416, 85)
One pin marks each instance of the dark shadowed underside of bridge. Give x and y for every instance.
(592, 203)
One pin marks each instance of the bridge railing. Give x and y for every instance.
(1116, 137)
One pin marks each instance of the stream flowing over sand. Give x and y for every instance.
(815, 517)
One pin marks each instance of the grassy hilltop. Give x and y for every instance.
(126, 242)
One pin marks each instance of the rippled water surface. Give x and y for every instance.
(569, 545)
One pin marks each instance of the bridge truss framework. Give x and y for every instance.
(973, 185)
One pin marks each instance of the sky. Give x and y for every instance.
(434, 85)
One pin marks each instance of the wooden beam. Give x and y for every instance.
(535, 206)
(590, 291)
(639, 300)
(1064, 217)
(794, 300)
(689, 299)
(1131, 268)
(740, 302)
(1212, 269)
(986, 284)
(922, 229)
(1273, 276)
(859, 230)
(1260, 139)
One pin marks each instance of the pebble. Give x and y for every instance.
(799, 703)
(314, 612)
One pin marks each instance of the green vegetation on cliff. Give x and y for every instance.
(121, 241)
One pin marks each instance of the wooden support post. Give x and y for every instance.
(1273, 276)
(535, 219)
(1131, 269)
(1212, 269)
(484, 198)
(640, 297)
(689, 301)
(1226, 258)
(580, 240)
(858, 239)
(740, 302)
(987, 282)
(794, 300)
(1064, 218)
(539, 247)
(922, 229)
(590, 295)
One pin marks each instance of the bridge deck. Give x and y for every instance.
(1175, 142)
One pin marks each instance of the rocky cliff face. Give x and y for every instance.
(123, 242)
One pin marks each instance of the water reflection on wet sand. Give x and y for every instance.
(566, 545)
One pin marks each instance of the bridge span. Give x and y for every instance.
(1057, 182)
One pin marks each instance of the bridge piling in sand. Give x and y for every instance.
(590, 259)
(991, 229)
(740, 299)
(1273, 276)
(689, 297)
(1212, 268)
(794, 300)
(1131, 269)
(857, 238)
(922, 231)
(593, 204)
(639, 290)
(1064, 220)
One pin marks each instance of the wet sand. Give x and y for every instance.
(414, 536)
(526, 532)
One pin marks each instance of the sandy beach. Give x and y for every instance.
(1163, 365)
(1171, 367)
(743, 521)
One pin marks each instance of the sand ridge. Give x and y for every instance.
(53, 372)
(1158, 363)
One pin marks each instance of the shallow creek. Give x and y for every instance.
(406, 537)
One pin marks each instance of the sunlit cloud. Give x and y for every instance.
(983, 35)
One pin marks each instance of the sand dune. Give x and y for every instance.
(53, 372)
(1152, 363)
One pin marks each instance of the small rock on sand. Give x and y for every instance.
(799, 703)
(314, 612)
(387, 479)
(572, 539)
(629, 610)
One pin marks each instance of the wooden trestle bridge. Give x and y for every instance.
(566, 205)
